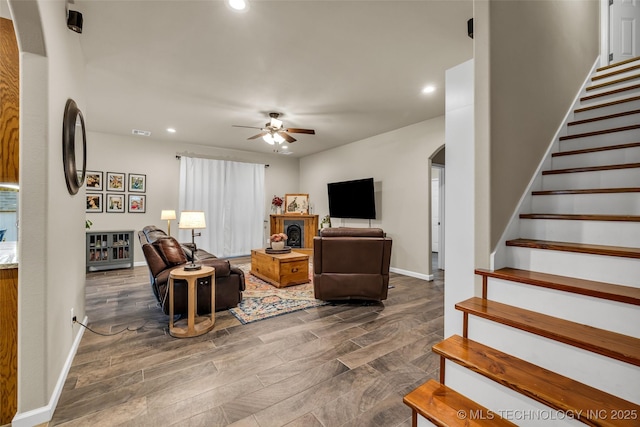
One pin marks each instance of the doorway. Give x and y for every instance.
(436, 210)
(620, 32)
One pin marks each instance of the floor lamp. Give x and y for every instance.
(168, 215)
(192, 220)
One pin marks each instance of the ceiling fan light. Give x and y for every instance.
(238, 4)
(275, 123)
(268, 138)
(278, 138)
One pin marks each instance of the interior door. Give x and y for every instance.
(435, 210)
(624, 34)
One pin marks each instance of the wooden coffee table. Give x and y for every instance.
(280, 269)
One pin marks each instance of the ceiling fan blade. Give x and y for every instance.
(307, 131)
(258, 135)
(287, 137)
(249, 127)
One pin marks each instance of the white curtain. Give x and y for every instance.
(231, 194)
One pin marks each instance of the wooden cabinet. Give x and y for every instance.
(9, 101)
(108, 250)
(289, 224)
(8, 344)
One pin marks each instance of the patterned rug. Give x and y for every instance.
(261, 300)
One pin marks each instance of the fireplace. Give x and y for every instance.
(294, 229)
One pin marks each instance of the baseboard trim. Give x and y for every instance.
(139, 264)
(45, 413)
(422, 276)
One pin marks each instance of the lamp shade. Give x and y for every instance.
(192, 219)
(168, 214)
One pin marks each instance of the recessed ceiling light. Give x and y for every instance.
(429, 89)
(238, 4)
(171, 130)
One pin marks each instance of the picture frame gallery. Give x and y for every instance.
(123, 192)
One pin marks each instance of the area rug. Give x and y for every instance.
(261, 300)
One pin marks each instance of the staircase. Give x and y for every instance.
(555, 337)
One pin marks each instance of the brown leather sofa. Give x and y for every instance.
(351, 263)
(164, 253)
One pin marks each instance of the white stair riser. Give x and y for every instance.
(598, 158)
(626, 90)
(610, 233)
(618, 67)
(515, 407)
(628, 120)
(604, 111)
(621, 137)
(612, 376)
(601, 268)
(622, 85)
(612, 204)
(603, 314)
(598, 179)
(626, 72)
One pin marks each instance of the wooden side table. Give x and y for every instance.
(194, 325)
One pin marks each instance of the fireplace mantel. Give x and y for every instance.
(310, 229)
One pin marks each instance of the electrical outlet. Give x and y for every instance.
(73, 317)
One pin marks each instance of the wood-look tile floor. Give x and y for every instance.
(335, 365)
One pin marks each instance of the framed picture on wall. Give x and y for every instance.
(115, 181)
(115, 202)
(94, 202)
(94, 181)
(296, 204)
(137, 203)
(137, 183)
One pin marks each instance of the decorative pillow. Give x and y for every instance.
(170, 250)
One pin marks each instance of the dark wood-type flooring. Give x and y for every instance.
(335, 365)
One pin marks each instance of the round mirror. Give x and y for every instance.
(74, 147)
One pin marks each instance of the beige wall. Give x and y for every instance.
(157, 160)
(398, 161)
(539, 54)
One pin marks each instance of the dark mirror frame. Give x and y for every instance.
(74, 178)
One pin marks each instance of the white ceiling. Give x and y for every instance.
(348, 69)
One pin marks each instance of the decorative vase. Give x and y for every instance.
(279, 210)
(278, 246)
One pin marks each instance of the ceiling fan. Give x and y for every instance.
(274, 132)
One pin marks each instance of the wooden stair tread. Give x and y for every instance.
(549, 388)
(600, 118)
(615, 73)
(610, 92)
(592, 168)
(617, 64)
(599, 132)
(582, 217)
(606, 104)
(587, 191)
(613, 82)
(607, 291)
(442, 406)
(619, 251)
(596, 149)
(611, 344)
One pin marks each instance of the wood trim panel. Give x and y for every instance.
(587, 191)
(9, 103)
(583, 248)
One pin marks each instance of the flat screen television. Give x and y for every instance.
(352, 199)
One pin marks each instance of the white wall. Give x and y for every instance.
(398, 161)
(157, 160)
(51, 235)
(459, 194)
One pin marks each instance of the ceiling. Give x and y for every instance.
(348, 69)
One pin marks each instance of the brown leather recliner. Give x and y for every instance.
(164, 253)
(351, 263)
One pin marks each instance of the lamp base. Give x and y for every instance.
(192, 267)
